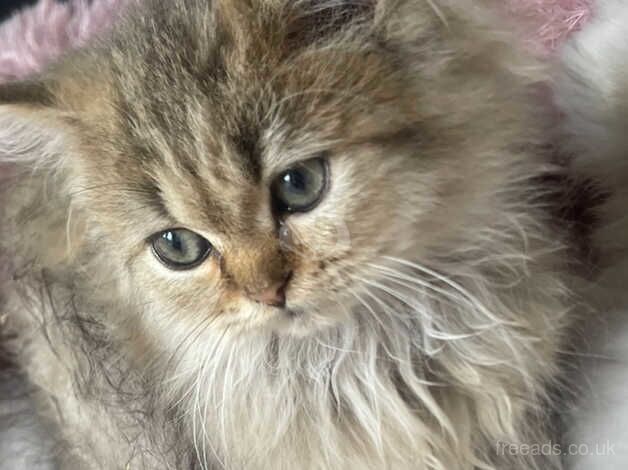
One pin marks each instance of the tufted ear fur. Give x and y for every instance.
(307, 22)
(36, 142)
(34, 132)
(317, 20)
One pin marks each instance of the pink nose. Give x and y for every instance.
(274, 295)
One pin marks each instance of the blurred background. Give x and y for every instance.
(9, 6)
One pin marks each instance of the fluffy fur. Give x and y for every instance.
(429, 301)
(592, 93)
(547, 23)
(38, 35)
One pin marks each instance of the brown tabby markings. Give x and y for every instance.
(427, 300)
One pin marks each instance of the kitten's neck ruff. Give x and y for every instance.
(426, 371)
(401, 384)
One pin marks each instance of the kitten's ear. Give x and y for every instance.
(316, 20)
(322, 18)
(33, 130)
(35, 136)
(312, 21)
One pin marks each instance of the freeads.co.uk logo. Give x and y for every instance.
(551, 448)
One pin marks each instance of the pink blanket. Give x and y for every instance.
(37, 35)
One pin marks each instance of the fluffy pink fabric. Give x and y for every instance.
(38, 35)
(549, 22)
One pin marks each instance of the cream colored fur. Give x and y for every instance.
(431, 285)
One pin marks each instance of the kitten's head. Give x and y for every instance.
(268, 164)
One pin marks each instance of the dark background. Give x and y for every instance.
(9, 6)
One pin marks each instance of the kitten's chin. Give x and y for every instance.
(300, 323)
(293, 320)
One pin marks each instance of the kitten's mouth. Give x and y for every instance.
(293, 312)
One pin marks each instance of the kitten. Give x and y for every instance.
(276, 234)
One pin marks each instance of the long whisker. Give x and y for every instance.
(455, 286)
(398, 278)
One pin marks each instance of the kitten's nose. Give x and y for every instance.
(273, 295)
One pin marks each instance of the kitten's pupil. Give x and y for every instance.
(180, 248)
(300, 188)
(173, 240)
(296, 180)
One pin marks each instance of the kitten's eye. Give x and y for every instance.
(300, 188)
(180, 248)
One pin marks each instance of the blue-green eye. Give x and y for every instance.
(300, 188)
(180, 248)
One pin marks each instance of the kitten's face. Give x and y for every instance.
(259, 181)
(289, 188)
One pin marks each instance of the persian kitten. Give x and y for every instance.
(277, 234)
